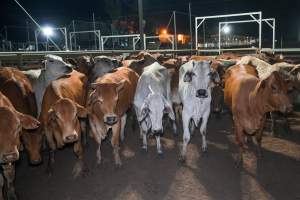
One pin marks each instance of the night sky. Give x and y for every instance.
(61, 12)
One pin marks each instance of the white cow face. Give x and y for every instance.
(200, 77)
(152, 111)
(55, 65)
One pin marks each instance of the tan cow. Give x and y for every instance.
(17, 88)
(112, 96)
(11, 124)
(61, 109)
(250, 98)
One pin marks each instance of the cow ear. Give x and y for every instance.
(120, 85)
(72, 61)
(188, 76)
(82, 112)
(168, 109)
(28, 122)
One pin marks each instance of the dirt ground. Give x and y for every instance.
(149, 177)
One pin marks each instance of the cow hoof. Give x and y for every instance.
(182, 159)
(77, 170)
(204, 149)
(160, 154)
(49, 171)
(238, 163)
(12, 196)
(144, 150)
(118, 165)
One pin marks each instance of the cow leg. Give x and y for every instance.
(9, 174)
(186, 134)
(84, 130)
(115, 141)
(52, 147)
(98, 153)
(123, 124)
(158, 145)
(78, 150)
(145, 143)
(192, 127)
(273, 123)
(1, 185)
(203, 129)
(239, 136)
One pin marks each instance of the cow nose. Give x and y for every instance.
(10, 157)
(111, 120)
(71, 138)
(289, 108)
(201, 93)
(36, 162)
(157, 132)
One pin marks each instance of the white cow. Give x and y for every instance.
(195, 94)
(153, 99)
(54, 67)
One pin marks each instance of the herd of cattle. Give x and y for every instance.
(68, 100)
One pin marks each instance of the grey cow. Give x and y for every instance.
(54, 68)
(153, 99)
(195, 95)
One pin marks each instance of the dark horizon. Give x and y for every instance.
(61, 13)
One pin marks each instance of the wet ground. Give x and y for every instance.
(212, 175)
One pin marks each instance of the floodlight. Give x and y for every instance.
(226, 29)
(48, 31)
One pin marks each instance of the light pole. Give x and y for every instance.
(141, 23)
(48, 32)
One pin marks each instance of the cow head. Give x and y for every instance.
(152, 111)
(11, 125)
(33, 141)
(63, 120)
(200, 77)
(105, 97)
(83, 64)
(275, 91)
(54, 65)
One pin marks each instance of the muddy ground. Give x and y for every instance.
(212, 175)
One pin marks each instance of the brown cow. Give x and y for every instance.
(112, 96)
(84, 64)
(250, 98)
(62, 106)
(11, 124)
(17, 88)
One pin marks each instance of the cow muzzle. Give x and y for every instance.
(71, 138)
(10, 157)
(286, 109)
(110, 120)
(201, 93)
(157, 132)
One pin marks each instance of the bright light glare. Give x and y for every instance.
(226, 29)
(48, 31)
(164, 31)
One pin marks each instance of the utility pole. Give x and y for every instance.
(94, 26)
(27, 30)
(175, 30)
(141, 23)
(191, 32)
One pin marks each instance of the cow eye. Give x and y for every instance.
(274, 89)
(51, 61)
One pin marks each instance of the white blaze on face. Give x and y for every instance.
(156, 107)
(202, 77)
